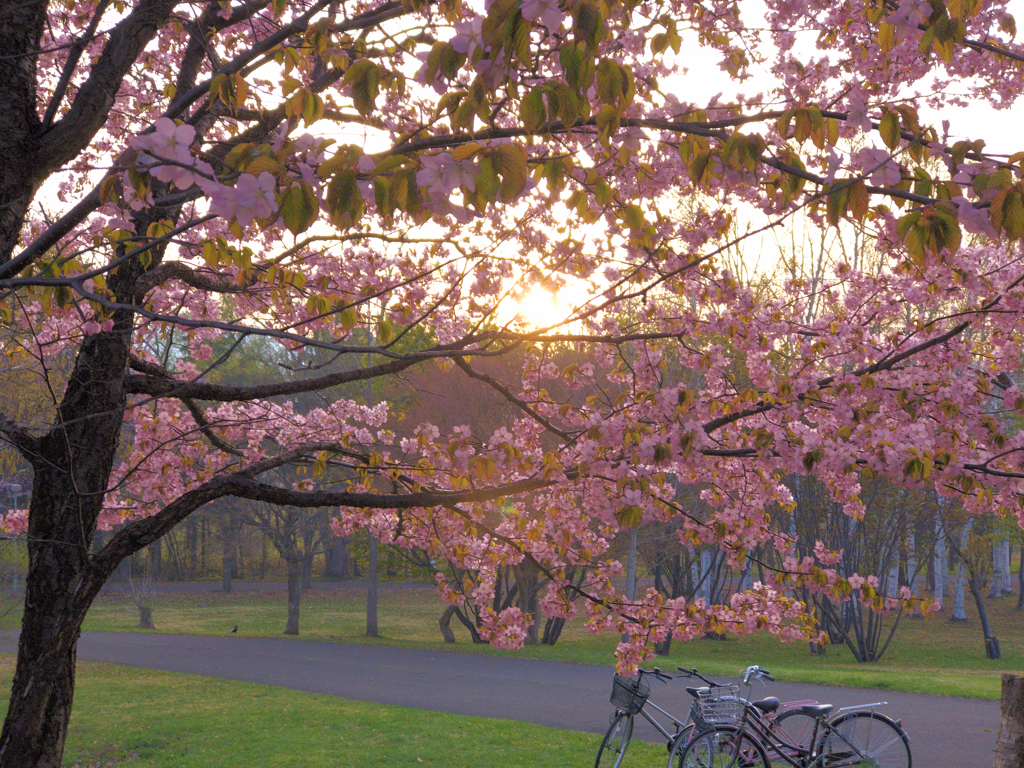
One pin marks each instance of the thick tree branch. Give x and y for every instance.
(91, 107)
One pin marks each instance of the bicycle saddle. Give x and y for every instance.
(767, 705)
(816, 710)
(694, 691)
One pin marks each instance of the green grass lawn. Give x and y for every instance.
(928, 655)
(132, 718)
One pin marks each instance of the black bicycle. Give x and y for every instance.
(738, 735)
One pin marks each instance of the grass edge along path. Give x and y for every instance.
(135, 718)
(929, 656)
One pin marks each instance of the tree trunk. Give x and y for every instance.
(156, 567)
(1020, 581)
(371, 590)
(991, 641)
(146, 618)
(1007, 570)
(445, 623)
(44, 678)
(664, 647)
(307, 561)
(997, 569)
(336, 558)
(959, 613)
(553, 630)
(294, 595)
(527, 585)
(229, 545)
(473, 632)
(1010, 743)
(72, 465)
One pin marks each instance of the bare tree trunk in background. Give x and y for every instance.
(1007, 570)
(156, 569)
(991, 641)
(939, 566)
(229, 546)
(1020, 581)
(371, 590)
(959, 613)
(336, 557)
(997, 569)
(294, 595)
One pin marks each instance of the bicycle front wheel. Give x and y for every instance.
(864, 740)
(613, 748)
(796, 728)
(722, 747)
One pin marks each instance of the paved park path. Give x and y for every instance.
(945, 732)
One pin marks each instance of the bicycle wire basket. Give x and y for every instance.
(628, 694)
(720, 705)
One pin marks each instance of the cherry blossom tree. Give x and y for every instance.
(379, 181)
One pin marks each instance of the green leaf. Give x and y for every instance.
(532, 112)
(608, 122)
(889, 128)
(510, 164)
(363, 77)
(859, 200)
(629, 517)
(1007, 212)
(571, 57)
(344, 201)
(299, 207)
(836, 203)
(587, 24)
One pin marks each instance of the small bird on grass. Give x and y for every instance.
(234, 630)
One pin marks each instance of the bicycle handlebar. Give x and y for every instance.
(655, 673)
(695, 673)
(756, 672)
(751, 672)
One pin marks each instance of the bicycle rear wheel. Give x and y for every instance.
(864, 740)
(613, 748)
(722, 747)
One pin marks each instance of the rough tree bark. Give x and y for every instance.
(1010, 743)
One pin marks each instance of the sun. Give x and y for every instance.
(540, 307)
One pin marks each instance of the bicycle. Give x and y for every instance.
(630, 698)
(786, 717)
(738, 736)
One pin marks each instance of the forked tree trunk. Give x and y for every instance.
(1010, 743)
(72, 466)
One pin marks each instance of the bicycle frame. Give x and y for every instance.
(680, 724)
